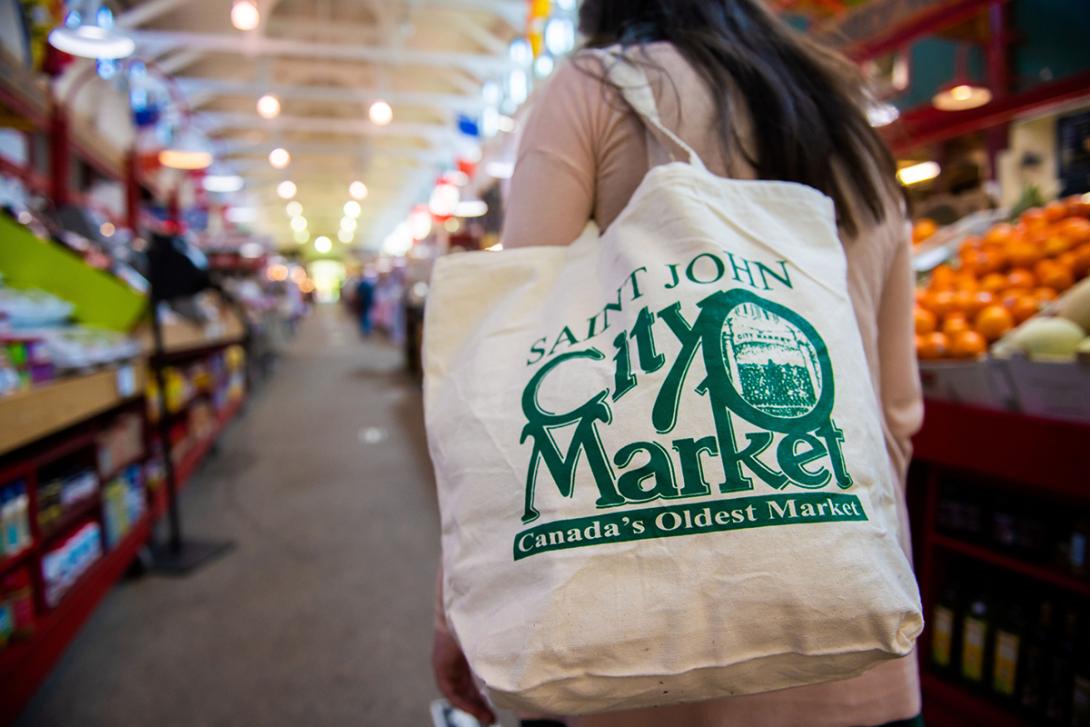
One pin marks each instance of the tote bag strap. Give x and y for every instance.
(631, 81)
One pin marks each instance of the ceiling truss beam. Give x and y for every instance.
(480, 64)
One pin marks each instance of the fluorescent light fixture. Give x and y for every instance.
(500, 170)
(298, 223)
(917, 173)
(268, 106)
(961, 97)
(279, 158)
(91, 35)
(294, 209)
(286, 189)
(559, 36)
(345, 236)
(520, 52)
(882, 114)
(357, 189)
(544, 65)
(518, 87)
(444, 199)
(245, 15)
(420, 223)
(323, 244)
(471, 208)
(241, 214)
(349, 223)
(223, 183)
(352, 208)
(398, 242)
(189, 150)
(380, 113)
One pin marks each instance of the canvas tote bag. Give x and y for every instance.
(661, 472)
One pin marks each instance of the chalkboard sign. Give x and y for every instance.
(1073, 153)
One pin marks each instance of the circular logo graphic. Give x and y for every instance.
(777, 364)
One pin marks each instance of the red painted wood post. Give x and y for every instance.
(60, 155)
(999, 77)
(132, 192)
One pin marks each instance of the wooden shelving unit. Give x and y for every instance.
(37, 431)
(28, 416)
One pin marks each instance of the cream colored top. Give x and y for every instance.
(582, 154)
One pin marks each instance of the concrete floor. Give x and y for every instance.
(322, 613)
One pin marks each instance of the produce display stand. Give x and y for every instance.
(1015, 455)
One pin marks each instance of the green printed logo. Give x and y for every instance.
(763, 364)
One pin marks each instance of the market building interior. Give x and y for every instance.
(218, 225)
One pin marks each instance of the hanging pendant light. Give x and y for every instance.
(962, 93)
(189, 150)
(88, 31)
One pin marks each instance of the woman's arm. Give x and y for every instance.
(902, 401)
(552, 191)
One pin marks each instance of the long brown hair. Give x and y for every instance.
(806, 101)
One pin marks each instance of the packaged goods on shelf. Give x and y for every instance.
(60, 495)
(123, 503)
(1023, 648)
(32, 308)
(63, 565)
(122, 441)
(15, 536)
(16, 606)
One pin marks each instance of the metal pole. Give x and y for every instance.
(173, 511)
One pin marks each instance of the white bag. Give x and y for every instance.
(661, 472)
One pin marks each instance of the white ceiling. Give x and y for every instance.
(327, 60)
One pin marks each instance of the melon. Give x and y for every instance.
(1048, 337)
(1075, 305)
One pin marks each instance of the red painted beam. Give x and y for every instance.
(928, 22)
(928, 125)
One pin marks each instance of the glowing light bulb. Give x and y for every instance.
(294, 209)
(268, 106)
(286, 189)
(279, 158)
(380, 113)
(323, 244)
(357, 189)
(245, 15)
(352, 208)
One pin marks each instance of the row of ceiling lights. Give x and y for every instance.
(349, 222)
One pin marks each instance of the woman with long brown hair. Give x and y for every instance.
(756, 100)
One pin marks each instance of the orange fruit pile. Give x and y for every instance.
(1001, 279)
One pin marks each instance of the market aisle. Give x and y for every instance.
(321, 615)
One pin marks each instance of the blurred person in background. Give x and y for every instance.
(365, 302)
(756, 100)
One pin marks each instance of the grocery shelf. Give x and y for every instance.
(1047, 454)
(182, 338)
(120, 469)
(189, 464)
(24, 664)
(14, 561)
(27, 416)
(948, 703)
(74, 516)
(1030, 570)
